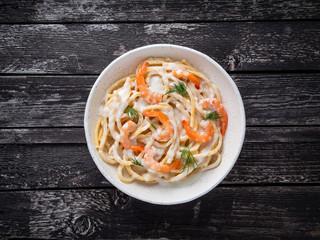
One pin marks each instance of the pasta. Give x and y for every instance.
(163, 123)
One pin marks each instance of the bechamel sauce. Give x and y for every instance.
(155, 84)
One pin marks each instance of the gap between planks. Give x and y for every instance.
(112, 187)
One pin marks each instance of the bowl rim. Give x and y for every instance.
(91, 146)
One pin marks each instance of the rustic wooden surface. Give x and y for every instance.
(225, 213)
(269, 99)
(51, 52)
(36, 11)
(87, 48)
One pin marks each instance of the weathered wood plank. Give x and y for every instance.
(48, 166)
(70, 165)
(57, 101)
(223, 213)
(89, 48)
(60, 135)
(282, 134)
(43, 101)
(76, 135)
(284, 99)
(152, 11)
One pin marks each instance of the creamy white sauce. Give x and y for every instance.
(140, 104)
(171, 66)
(158, 81)
(155, 84)
(149, 176)
(103, 112)
(158, 153)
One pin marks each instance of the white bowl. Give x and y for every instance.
(198, 184)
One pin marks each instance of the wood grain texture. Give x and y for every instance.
(59, 101)
(76, 135)
(50, 187)
(284, 99)
(70, 135)
(224, 213)
(152, 11)
(89, 48)
(71, 166)
(43, 101)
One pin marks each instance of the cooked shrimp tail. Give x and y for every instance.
(185, 74)
(137, 148)
(126, 129)
(166, 133)
(214, 104)
(149, 96)
(205, 136)
(156, 166)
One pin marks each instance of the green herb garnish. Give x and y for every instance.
(132, 113)
(188, 159)
(152, 124)
(136, 162)
(181, 88)
(213, 116)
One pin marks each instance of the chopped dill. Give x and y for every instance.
(181, 88)
(213, 116)
(136, 162)
(188, 159)
(132, 113)
(152, 124)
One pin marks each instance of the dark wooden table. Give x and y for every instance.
(51, 52)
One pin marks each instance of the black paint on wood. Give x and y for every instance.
(71, 166)
(76, 135)
(225, 212)
(53, 135)
(43, 101)
(154, 11)
(42, 144)
(89, 48)
(59, 101)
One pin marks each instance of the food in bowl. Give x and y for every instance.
(163, 123)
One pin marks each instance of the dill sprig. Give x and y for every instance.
(213, 116)
(188, 159)
(132, 113)
(152, 124)
(136, 162)
(181, 88)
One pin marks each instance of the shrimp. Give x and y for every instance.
(205, 136)
(127, 128)
(156, 166)
(165, 134)
(185, 74)
(213, 103)
(149, 96)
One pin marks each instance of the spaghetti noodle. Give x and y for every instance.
(161, 124)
